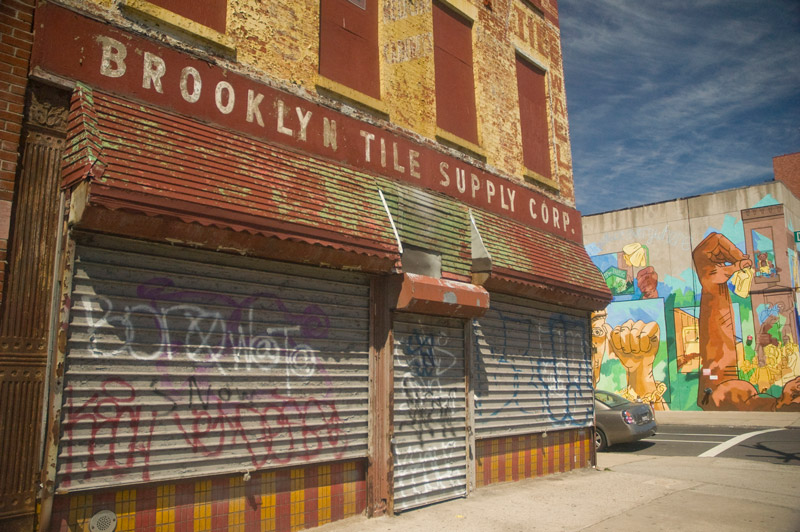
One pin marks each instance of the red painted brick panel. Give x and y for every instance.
(16, 41)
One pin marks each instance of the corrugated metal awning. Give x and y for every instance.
(432, 221)
(530, 263)
(180, 180)
(158, 164)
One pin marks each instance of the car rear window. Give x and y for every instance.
(610, 399)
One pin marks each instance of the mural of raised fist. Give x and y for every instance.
(636, 344)
(716, 259)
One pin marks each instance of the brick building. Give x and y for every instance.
(787, 170)
(273, 264)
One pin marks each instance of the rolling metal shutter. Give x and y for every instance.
(429, 441)
(533, 369)
(184, 363)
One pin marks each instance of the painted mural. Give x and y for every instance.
(710, 323)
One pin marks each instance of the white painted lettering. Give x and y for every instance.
(114, 52)
(368, 137)
(545, 213)
(329, 133)
(556, 216)
(224, 86)
(154, 68)
(253, 111)
(197, 84)
(443, 166)
(396, 158)
(304, 119)
(531, 206)
(490, 191)
(511, 195)
(281, 116)
(413, 164)
(565, 220)
(461, 180)
(476, 184)
(383, 153)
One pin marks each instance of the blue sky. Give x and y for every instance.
(673, 99)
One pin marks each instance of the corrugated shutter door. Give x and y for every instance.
(429, 410)
(533, 369)
(183, 363)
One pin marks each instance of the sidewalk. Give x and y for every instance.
(626, 492)
(729, 419)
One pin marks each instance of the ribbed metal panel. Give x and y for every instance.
(429, 411)
(158, 162)
(432, 222)
(540, 255)
(21, 392)
(533, 369)
(29, 285)
(184, 363)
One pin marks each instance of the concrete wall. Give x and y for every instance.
(704, 310)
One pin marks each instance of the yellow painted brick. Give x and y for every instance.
(324, 494)
(279, 41)
(165, 508)
(202, 505)
(268, 496)
(297, 498)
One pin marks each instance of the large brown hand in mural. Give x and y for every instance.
(636, 346)
(716, 259)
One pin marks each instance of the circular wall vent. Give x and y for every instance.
(103, 521)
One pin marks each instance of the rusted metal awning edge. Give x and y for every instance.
(514, 257)
(178, 227)
(328, 220)
(544, 289)
(439, 297)
(83, 154)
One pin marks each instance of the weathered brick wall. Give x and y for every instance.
(787, 170)
(279, 40)
(407, 70)
(16, 39)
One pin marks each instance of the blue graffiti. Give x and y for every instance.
(543, 364)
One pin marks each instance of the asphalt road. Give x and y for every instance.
(776, 446)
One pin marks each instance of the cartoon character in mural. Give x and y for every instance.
(777, 356)
(635, 345)
(717, 260)
(766, 268)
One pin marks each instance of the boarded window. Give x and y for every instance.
(348, 44)
(209, 13)
(455, 84)
(533, 117)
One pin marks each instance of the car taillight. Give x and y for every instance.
(628, 417)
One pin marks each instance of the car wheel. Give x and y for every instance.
(600, 441)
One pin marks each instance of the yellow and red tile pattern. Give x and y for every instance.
(532, 455)
(272, 501)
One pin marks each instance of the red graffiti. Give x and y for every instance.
(113, 431)
(115, 438)
(289, 429)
